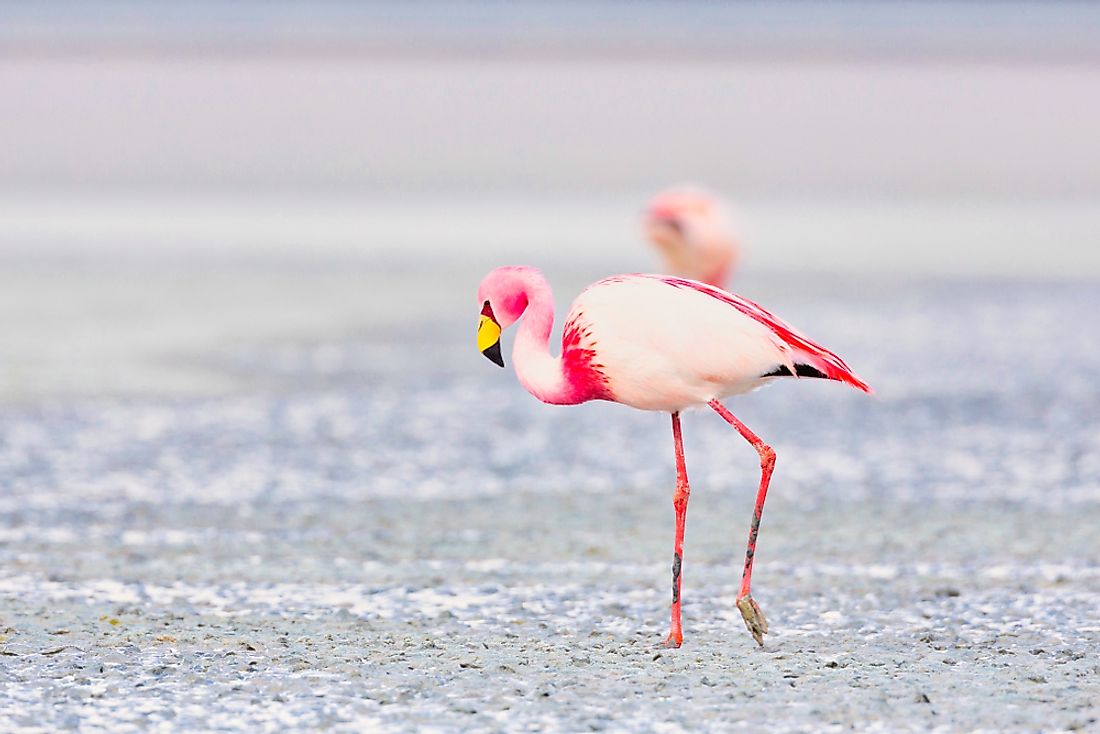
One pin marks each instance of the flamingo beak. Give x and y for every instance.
(657, 216)
(488, 338)
(670, 221)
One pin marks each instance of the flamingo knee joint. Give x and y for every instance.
(767, 455)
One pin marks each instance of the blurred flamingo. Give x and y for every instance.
(692, 230)
(655, 342)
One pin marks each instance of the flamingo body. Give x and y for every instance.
(668, 344)
(655, 342)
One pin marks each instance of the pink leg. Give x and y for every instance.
(680, 504)
(754, 618)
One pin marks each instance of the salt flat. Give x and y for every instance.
(373, 527)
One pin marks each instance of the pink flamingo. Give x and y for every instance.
(693, 232)
(655, 342)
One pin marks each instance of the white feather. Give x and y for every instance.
(668, 348)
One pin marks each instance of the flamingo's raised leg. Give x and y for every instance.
(754, 618)
(680, 504)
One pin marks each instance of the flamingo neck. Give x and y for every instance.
(540, 372)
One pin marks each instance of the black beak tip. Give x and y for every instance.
(493, 353)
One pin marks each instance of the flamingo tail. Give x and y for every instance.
(821, 367)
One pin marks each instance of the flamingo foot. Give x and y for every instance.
(754, 618)
(674, 640)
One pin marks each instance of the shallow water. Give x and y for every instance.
(320, 510)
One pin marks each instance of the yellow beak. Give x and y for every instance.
(488, 339)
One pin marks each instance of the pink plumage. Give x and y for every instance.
(655, 342)
(806, 351)
(693, 232)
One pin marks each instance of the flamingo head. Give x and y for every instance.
(503, 298)
(692, 231)
(676, 214)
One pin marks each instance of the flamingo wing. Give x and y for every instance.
(807, 358)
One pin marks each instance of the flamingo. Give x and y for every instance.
(693, 232)
(660, 343)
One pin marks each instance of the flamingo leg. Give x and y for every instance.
(750, 611)
(679, 503)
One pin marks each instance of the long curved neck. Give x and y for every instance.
(538, 371)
